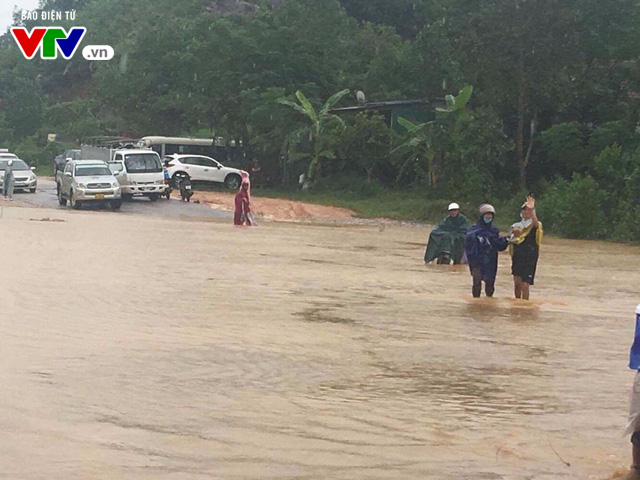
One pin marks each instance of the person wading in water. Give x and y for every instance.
(447, 239)
(525, 248)
(242, 202)
(482, 244)
(633, 425)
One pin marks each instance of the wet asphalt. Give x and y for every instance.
(45, 197)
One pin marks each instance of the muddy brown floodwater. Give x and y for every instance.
(149, 348)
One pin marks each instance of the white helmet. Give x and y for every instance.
(10, 162)
(453, 206)
(487, 208)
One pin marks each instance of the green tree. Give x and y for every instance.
(366, 144)
(318, 124)
(521, 56)
(428, 144)
(564, 145)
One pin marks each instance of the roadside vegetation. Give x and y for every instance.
(523, 97)
(372, 200)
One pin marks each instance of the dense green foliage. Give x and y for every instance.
(554, 109)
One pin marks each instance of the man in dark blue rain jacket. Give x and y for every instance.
(482, 244)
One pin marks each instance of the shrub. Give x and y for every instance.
(564, 145)
(574, 209)
(627, 228)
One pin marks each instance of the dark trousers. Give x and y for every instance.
(489, 288)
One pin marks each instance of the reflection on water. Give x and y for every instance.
(303, 352)
(321, 315)
(491, 309)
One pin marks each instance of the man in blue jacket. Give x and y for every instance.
(482, 244)
(633, 426)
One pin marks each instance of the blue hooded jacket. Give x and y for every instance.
(482, 244)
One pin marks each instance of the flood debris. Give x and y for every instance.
(47, 219)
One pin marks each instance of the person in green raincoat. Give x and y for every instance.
(447, 239)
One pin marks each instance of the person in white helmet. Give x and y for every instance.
(482, 244)
(446, 241)
(9, 181)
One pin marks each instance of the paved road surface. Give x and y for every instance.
(46, 197)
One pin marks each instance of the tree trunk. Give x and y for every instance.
(532, 134)
(369, 174)
(284, 159)
(522, 105)
(438, 160)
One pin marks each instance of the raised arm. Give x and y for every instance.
(531, 203)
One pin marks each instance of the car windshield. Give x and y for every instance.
(116, 167)
(17, 164)
(143, 163)
(92, 170)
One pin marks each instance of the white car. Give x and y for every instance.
(87, 181)
(4, 153)
(25, 178)
(199, 168)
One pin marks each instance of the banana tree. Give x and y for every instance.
(316, 129)
(427, 144)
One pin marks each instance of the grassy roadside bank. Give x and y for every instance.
(44, 170)
(411, 205)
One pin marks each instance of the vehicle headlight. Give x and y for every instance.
(82, 185)
(115, 184)
(160, 182)
(32, 177)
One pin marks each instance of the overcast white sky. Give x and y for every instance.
(6, 11)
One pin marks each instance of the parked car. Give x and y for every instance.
(138, 171)
(60, 161)
(84, 181)
(4, 153)
(25, 177)
(199, 168)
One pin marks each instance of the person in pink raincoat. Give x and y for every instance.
(242, 214)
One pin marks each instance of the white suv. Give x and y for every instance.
(199, 168)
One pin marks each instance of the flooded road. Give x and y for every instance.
(139, 347)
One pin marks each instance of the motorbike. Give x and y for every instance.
(186, 190)
(444, 258)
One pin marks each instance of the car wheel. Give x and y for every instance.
(32, 190)
(61, 200)
(73, 202)
(116, 204)
(154, 197)
(232, 182)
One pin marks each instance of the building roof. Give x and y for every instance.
(382, 106)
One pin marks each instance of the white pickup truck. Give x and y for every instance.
(87, 181)
(138, 171)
